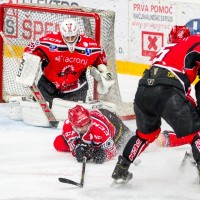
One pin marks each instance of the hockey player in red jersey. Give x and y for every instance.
(97, 134)
(168, 138)
(65, 56)
(162, 93)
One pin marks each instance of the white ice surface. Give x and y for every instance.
(30, 166)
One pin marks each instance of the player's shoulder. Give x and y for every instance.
(67, 124)
(52, 37)
(95, 112)
(194, 37)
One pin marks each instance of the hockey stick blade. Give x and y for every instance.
(65, 180)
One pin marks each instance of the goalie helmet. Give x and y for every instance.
(70, 33)
(178, 33)
(79, 116)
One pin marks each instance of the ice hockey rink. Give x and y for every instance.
(30, 166)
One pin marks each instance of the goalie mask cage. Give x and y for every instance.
(23, 23)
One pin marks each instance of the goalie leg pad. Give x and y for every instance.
(32, 114)
(60, 107)
(15, 112)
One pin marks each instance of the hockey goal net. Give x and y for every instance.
(23, 23)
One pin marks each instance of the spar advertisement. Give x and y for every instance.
(141, 27)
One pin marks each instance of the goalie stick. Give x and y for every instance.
(65, 180)
(34, 90)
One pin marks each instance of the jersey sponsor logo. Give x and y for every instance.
(69, 69)
(93, 43)
(108, 144)
(85, 44)
(37, 42)
(150, 81)
(70, 134)
(98, 137)
(135, 149)
(32, 46)
(53, 47)
(103, 128)
(88, 51)
(52, 40)
(66, 59)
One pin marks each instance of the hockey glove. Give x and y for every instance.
(99, 155)
(82, 149)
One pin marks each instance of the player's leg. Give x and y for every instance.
(47, 89)
(122, 132)
(169, 139)
(150, 127)
(185, 120)
(77, 95)
(196, 151)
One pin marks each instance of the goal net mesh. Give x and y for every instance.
(22, 25)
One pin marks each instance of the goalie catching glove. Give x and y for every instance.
(103, 77)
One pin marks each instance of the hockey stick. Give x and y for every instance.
(34, 90)
(65, 180)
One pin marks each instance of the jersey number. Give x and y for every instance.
(162, 53)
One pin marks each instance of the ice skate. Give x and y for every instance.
(121, 173)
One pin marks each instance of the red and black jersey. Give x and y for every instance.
(181, 58)
(65, 67)
(100, 133)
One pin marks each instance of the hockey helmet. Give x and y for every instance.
(69, 30)
(79, 116)
(178, 33)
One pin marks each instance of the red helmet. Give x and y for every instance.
(79, 116)
(178, 33)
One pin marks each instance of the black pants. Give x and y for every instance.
(169, 103)
(50, 92)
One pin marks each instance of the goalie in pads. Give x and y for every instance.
(64, 57)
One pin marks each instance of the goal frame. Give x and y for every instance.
(50, 10)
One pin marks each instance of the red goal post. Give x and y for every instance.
(23, 23)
